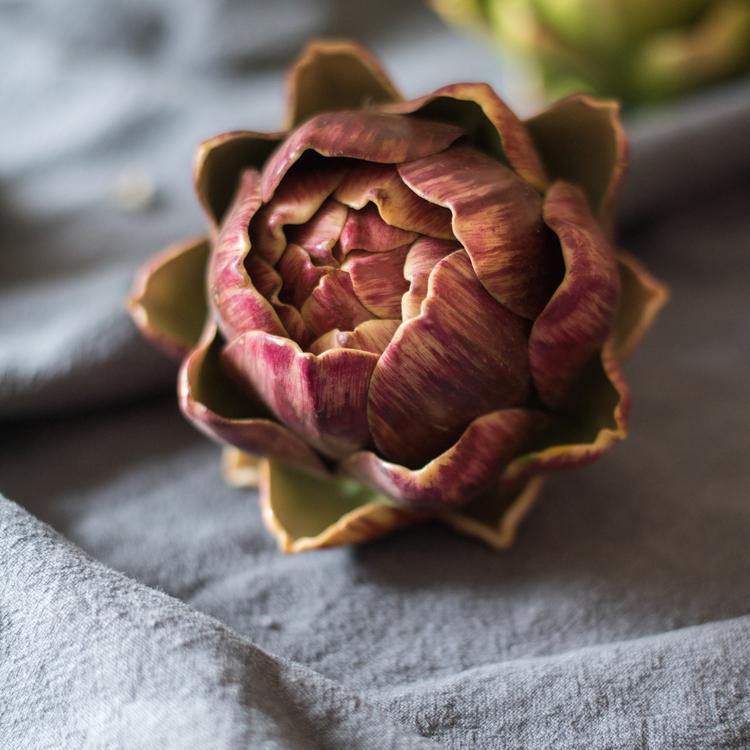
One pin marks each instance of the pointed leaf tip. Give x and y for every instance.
(306, 512)
(220, 161)
(168, 300)
(642, 297)
(496, 518)
(332, 75)
(581, 140)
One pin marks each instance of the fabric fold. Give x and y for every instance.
(158, 673)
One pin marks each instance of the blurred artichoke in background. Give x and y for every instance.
(409, 309)
(640, 51)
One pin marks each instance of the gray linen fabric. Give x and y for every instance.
(156, 611)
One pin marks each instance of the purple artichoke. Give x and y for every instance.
(409, 309)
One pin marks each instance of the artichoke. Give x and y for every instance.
(405, 309)
(640, 51)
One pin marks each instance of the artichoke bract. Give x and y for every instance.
(403, 309)
(641, 51)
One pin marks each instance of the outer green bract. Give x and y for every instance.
(637, 50)
(403, 309)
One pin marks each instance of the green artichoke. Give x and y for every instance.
(640, 51)
(407, 309)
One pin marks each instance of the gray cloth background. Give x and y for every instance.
(142, 604)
